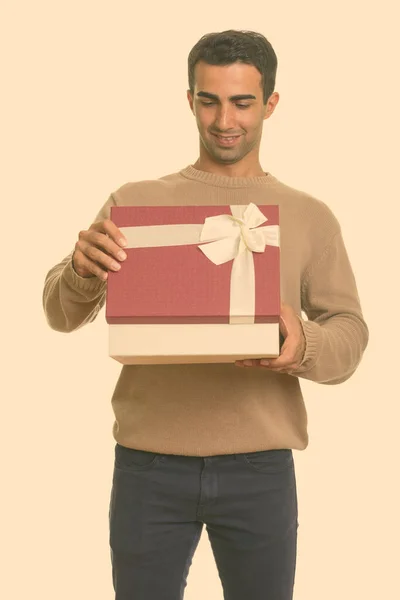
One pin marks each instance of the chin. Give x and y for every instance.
(227, 160)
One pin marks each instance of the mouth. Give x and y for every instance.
(225, 140)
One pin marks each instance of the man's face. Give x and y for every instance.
(229, 110)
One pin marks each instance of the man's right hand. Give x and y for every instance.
(96, 250)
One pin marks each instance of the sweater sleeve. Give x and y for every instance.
(335, 332)
(69, 300)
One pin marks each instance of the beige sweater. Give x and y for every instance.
(211, 409)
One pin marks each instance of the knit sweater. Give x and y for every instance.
(214, 409)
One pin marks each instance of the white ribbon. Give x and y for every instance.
(230, 237)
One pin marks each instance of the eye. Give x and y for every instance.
(208, 103)
(243, 106)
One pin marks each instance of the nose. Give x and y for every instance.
(224, 118)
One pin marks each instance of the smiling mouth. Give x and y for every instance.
(225, 140)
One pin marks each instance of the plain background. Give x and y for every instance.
(94, 95)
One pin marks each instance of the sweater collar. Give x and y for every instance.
(225, 181)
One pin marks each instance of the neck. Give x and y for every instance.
(239, 169)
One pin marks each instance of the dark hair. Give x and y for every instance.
(232, 46)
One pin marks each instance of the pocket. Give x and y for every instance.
(269, 461)
(130, 459)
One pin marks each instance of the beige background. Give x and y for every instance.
(94, 96)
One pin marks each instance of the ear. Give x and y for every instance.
(271, 104)
(190, 100)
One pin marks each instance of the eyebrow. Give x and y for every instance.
(231, 98)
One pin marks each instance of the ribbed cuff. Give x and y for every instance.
(312, 334)
(87, 284)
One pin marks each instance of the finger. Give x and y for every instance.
(286, 367)
(283, 327)
(109, 228)
(263, 363)
(95, 255)
(275, 365)
(248, 362)
(104, 242)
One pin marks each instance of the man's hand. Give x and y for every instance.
(96, 250)
(292, 350)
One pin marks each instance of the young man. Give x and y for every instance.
(212, 443)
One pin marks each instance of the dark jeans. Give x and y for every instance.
(159, 503)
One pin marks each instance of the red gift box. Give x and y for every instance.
(177, 284)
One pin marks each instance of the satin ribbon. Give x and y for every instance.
(222, 238)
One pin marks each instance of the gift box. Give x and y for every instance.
(199, 284)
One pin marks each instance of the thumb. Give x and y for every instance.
(282, 322)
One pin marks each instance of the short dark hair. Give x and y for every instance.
(228, 47)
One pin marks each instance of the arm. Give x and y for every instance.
(336, 334)
(69, 300)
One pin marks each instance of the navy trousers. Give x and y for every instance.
(160, 502)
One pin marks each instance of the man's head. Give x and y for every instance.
(231, 93)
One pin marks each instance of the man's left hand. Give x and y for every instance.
(292, 350)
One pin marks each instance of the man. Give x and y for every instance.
(212, 443)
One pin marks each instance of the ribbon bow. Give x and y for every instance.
(231, 235)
